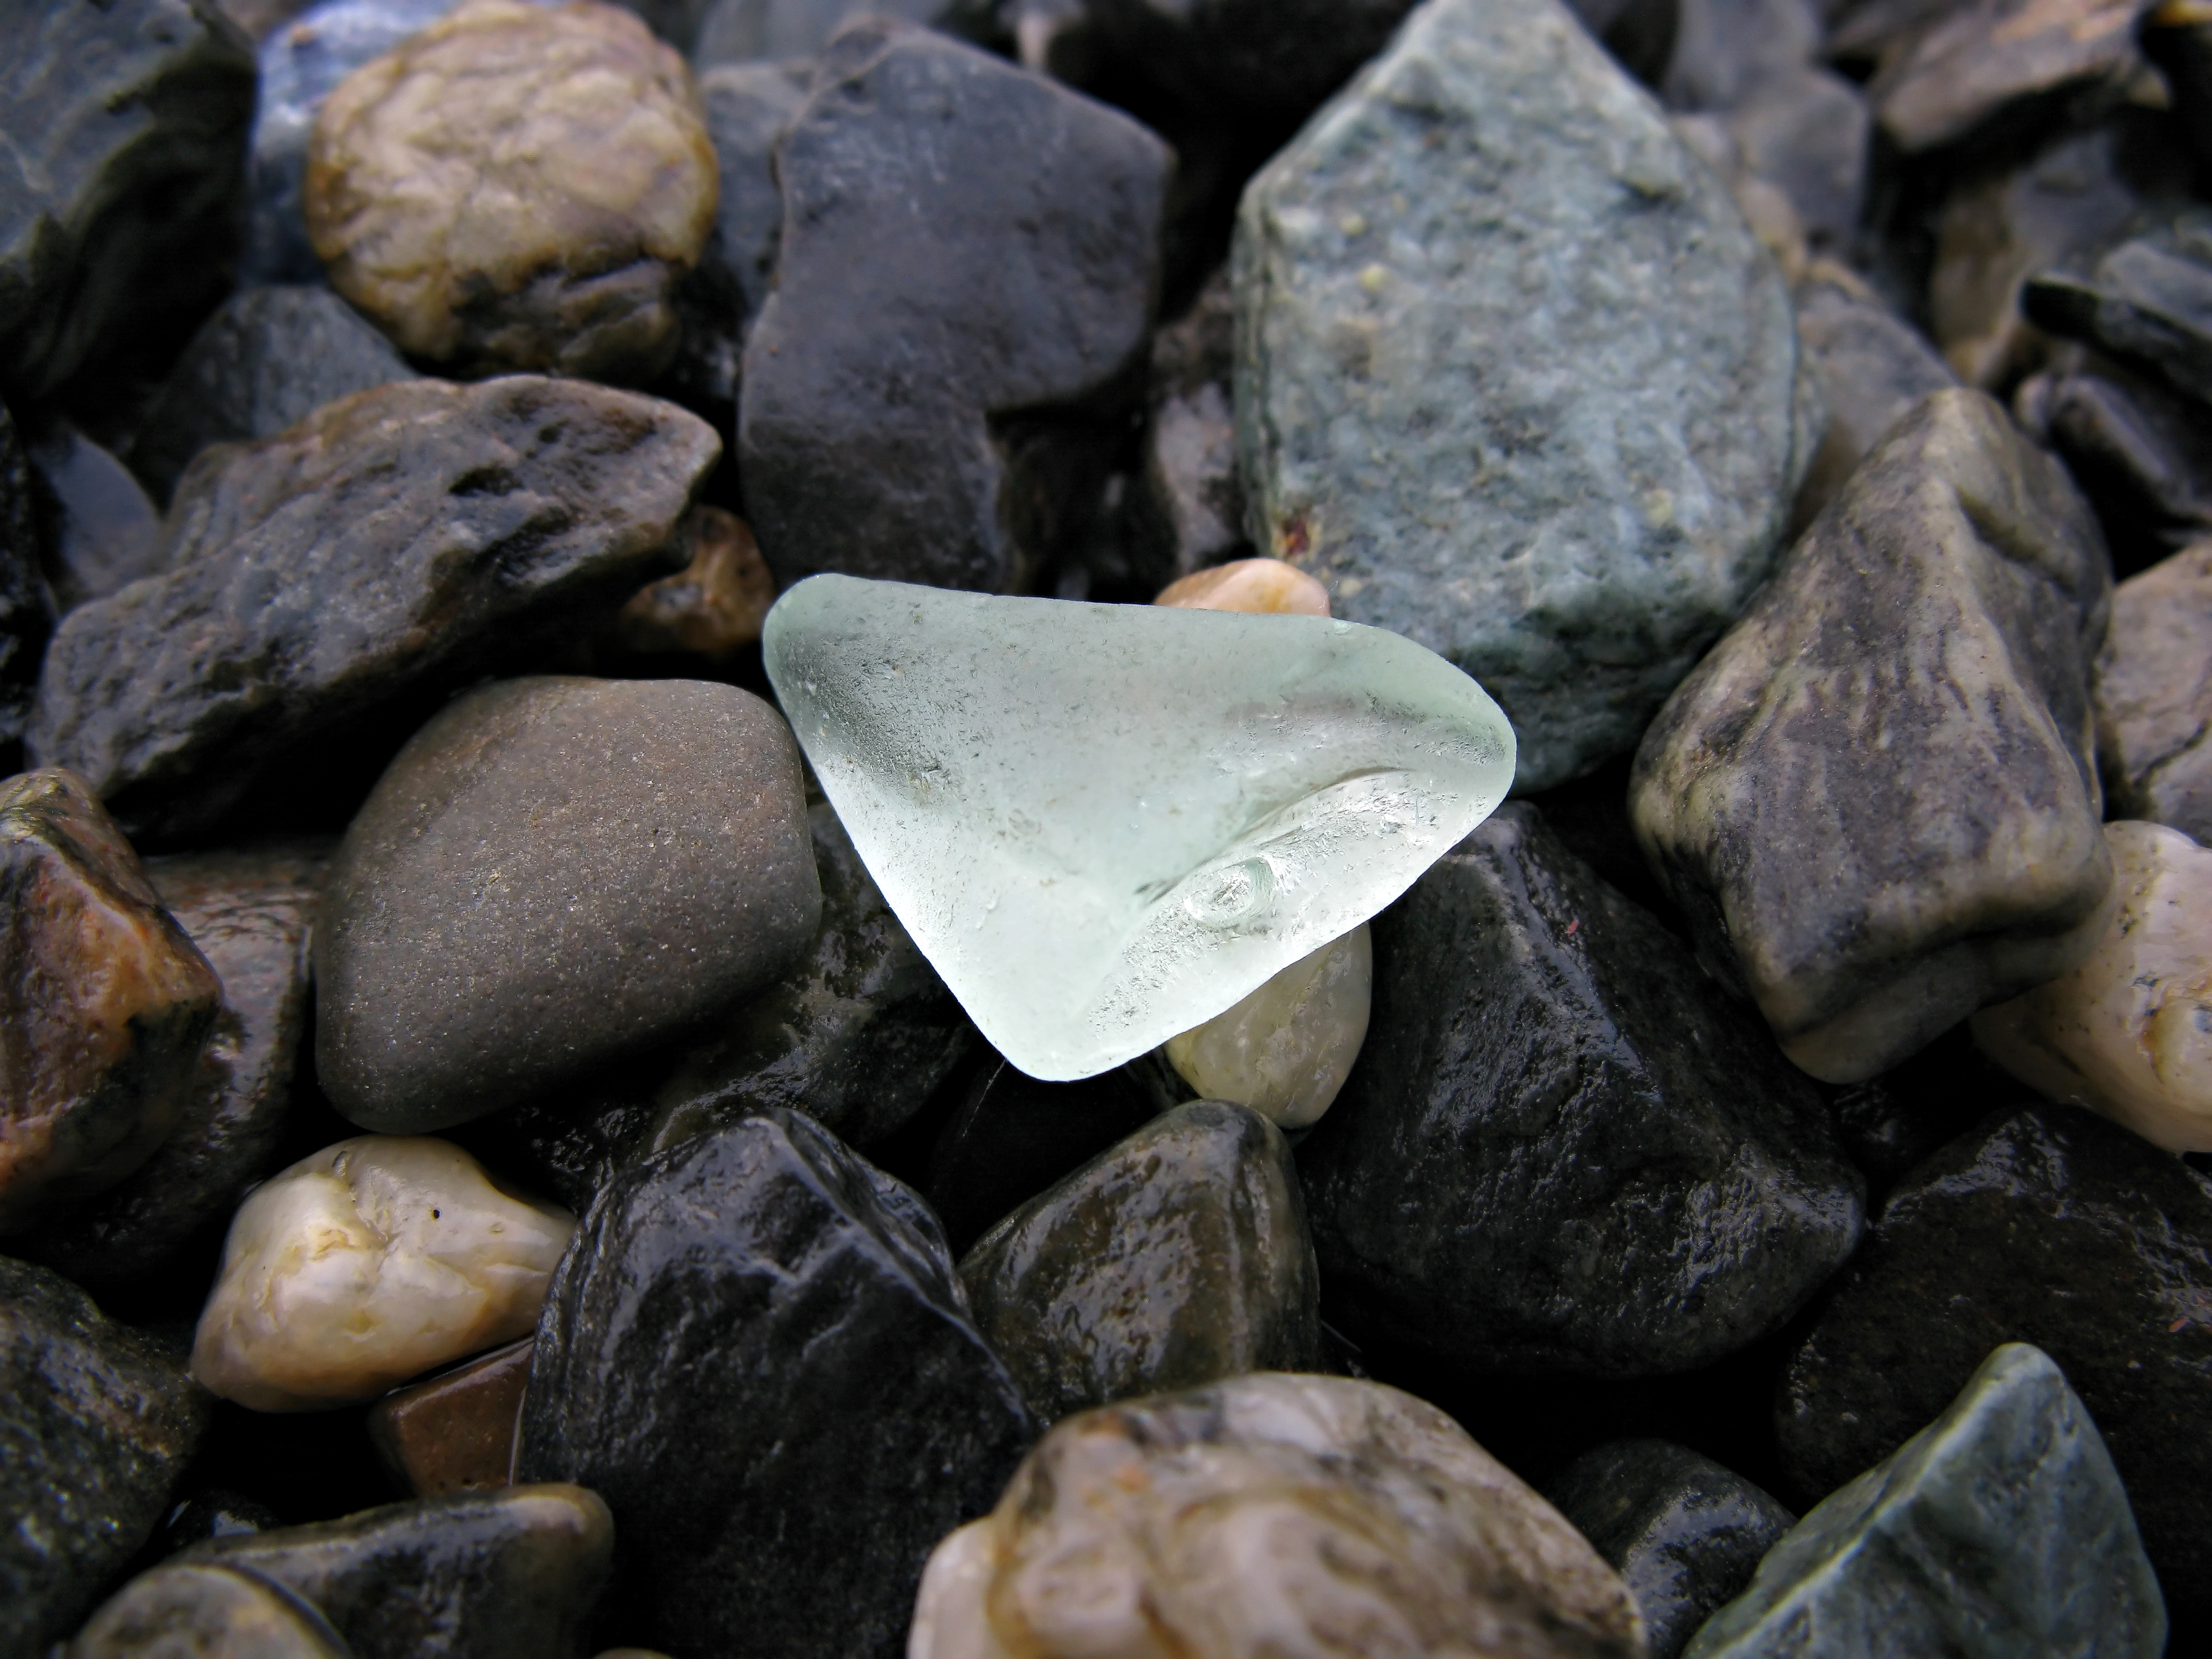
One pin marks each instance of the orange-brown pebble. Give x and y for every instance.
(713, 608)
(455, 1433)
(1257, 586)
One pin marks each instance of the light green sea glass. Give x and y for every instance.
(1105, 823)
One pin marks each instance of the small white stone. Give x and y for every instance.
(368, 1264)
(1285, 1051)
(2128, 1033)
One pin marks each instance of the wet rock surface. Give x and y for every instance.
(187, 1610)
(712, 608)
(1285, 1049)
(455, 1433)
(2154, 695)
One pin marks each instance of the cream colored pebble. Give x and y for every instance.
(1285, 1051)
(1256, 587)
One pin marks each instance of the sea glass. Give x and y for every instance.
(1103, 824)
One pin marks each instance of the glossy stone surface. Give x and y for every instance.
(423, 534)
(1872, 852)
(97, 1424)
(506, 1575)
(455, 1432)
(963, 242)
(1258, 587)
(1617, 1173)
(192, 1611)
(1483, 441)
(516, 187)
(760, 1355)
(1685, 1534)
(1088, 817)
(714, 607)
(107, 1003)
(2000, 1529)
(1177, 1258)
(2047, 1225)
(1286, 1515)
(126, 125)
(26, 616)
(366, 1264)
(100, 529)
(249, 913)
(2154, 695)
(555, 871)
(2145, 293)
(1286, 1048)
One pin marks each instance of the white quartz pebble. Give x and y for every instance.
(370, 1263)
(1285, 1051)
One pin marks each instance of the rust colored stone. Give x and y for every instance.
(455, 1432)
(714, 606)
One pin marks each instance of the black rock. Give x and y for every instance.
(2047, 1225)
(2145, 295)
(967, 248)
(1889, 1123)
(99, 530)
(1563, 1149)
(26, 607)
(398, 544)
(1271, 57)
(757, 1350)
(97, 1423)
(1685, 1532)
(217, 1512)
(195, 1611)
(125, 126)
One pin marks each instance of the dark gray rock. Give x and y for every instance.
(1686, 1533)
(746, 31)
(125, 127)
(1876, 799)
(513, 1574)
(26, 606)
(249, 914)
(396, 545)
(1808, 133)
(554, 872)
(1872, 367)
(101, 531)
(1191, 508)
(97, 1424)
(267, 358)
(199, 1612)
(1999, 1530)
(1727, 51)
(1563, 1151)
(964, 244)
(757, 1350)
(2047, 1225)
(1176, 1259)
(2145, 296)
(1641, 34)
(2154, 693)
(2141, 451)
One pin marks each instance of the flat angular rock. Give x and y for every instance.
(1103, 824)
(125, 125)
(97, 1424)
(455, 1432)
(1872, 367)
(555, 871)
(2154, 695)
(1996, 62)
(1176, 1259)
(1284, 1515)
(100, 529)
(1514, 378)
(1564, 1151)
(422, 534)
(2141, 451)
(2145, 295)
(2000, 1529)
(761, 1357)
(2048, 1225)
(108, 1003)
(192, 1611)
(1876, 800)
(963, 242)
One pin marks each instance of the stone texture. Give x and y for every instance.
(107, 1003)
(760, 1355)
(1684, 1533)
(1293, 1516)
(2141, 451)
(269, 357)
(964, 244)
(189, 1611)
(739, 31)
(1616, 1174)
(249, 913)
(125, 125)
(1467, 425)
(366, 1264)
(2047, 1225)
(2145, 293)
(26, 607)
(1176, 1258)
(1189, 510)
(2154, 695)
(1285, 1049)
(99, 531)
(517, 187)
(422, 535)
(97, 1423)
(1875, 801)
(1728, 52)
(455, 1432)
(1257, 587)
(555, 871)
(506, 1575)
(713, 608)
(2004, 65)
(2000, 1529)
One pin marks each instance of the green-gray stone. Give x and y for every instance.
(2001, 1531)
(1176, 1259)
(96, 1424)
(1876, 799)
(189, 1611)
(1513, 377)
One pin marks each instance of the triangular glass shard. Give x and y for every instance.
(1105, 823)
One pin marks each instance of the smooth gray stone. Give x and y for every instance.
(194, 1611)
(1513, 377)
(1872, 365)
(1726, 52)
(124, 126)
(2000, 1531)
(1876, 799)
(1808, 133)
(97, 1424)
(2154, 695)
(510, 1574)
(101, 531)
(556, 872)
(1177, 1258)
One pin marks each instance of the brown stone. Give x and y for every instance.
(104, 1003)
(1256, 587)
(714, 606)
(1998, 58)
(455, 1433)
(2154, 695)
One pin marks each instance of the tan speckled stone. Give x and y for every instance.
(517, 187)
(1256, 587)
